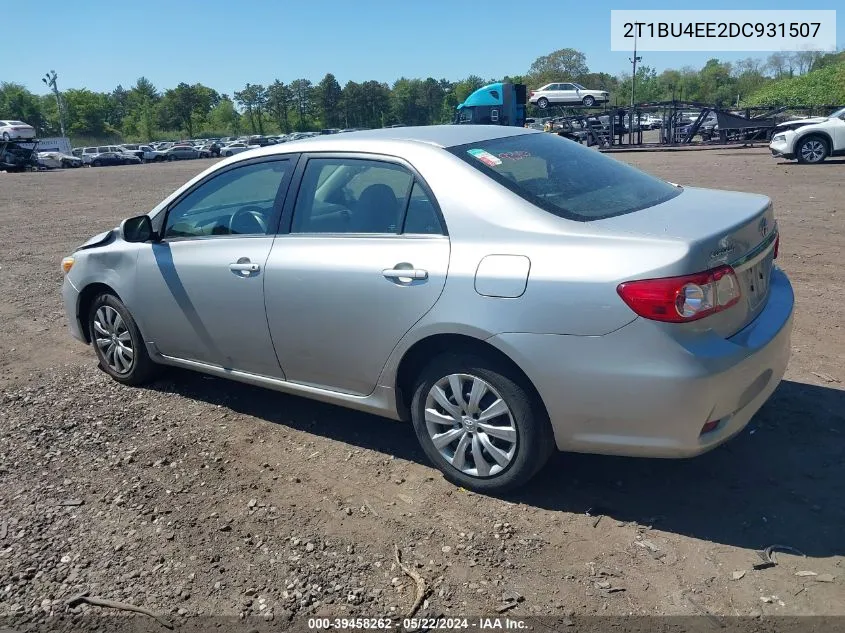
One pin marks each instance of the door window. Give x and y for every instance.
(422, 217)
(239, 201)
(344, 195)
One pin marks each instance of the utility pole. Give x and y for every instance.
(633, 84)
(50, 80)
(634, 72)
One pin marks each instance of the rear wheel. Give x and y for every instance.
(812, 150)
(542, 103)
(118, 342)
(589, 101)
(478, 425)
(6, 136)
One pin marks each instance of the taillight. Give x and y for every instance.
(682, 299)
(777, 246)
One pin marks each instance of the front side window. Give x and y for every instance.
(239, 201)
(341, 195)
(564, 177)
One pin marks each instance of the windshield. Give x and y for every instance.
(579, 86)
(840, 114)
(564, 177)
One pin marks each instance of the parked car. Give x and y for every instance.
(145, 152)
(566, 93)
(89, 153)
(58, 160)
(180, 152)
(507, 291)
(114, 158)
(234, 148)
(814, 142)
(16, 130)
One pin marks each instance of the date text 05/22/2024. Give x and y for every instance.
(413, 624)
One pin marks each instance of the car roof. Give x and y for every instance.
(437, 135)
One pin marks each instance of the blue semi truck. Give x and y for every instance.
(500, 103)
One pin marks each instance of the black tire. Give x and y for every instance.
(589, 101)
(142, 369)
(6, 136)
(542, 103)
(534, 437)
(96, 163)
(171, 157)
(812, 150)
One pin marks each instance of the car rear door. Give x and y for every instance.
(201, 288)
(362, 255)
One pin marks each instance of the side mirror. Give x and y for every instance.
(137, 229)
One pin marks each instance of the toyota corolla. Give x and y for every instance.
(508, 292)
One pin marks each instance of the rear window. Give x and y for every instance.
(564, 177)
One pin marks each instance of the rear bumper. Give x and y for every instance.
(640, 391)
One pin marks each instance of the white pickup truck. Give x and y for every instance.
(814, 142)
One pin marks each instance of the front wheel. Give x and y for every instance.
(589, 101)
(542, 103)
(812, 150)
(6, 136)
(118, 342)
(96, 163)
(479, 425)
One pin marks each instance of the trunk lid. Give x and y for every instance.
(717, 227)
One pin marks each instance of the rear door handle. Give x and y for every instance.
(405, 273)
(249, 268)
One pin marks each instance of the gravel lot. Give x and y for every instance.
(200, 497)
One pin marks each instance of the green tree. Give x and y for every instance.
(188, 106)
(224, 117)
(303, 94)
(563, 64)
(16, 102)
(254, 99)
(279, 103)
(328, 96)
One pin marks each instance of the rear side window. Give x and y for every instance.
(564, 177)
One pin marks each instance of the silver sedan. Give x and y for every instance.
(509, 292)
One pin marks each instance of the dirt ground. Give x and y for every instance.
(197, 496)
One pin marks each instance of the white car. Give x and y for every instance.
(566, 93)
(58, 160)
(145, 152)
(812, 143)
(10, 130)
(236, 148)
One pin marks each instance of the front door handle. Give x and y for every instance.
(244, 267)
(405, 273)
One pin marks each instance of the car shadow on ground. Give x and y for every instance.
(829, 161)
(781, 481)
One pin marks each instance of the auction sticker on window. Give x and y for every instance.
(485, 157)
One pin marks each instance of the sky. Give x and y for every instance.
(226, 43)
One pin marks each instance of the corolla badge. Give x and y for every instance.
(726, 247)
(763, 227)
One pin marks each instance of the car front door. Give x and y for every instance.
(362, 255)
(569, 94)
(201, 287)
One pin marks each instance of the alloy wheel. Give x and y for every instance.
(471, 425)
(113, 340)
(813, 151)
